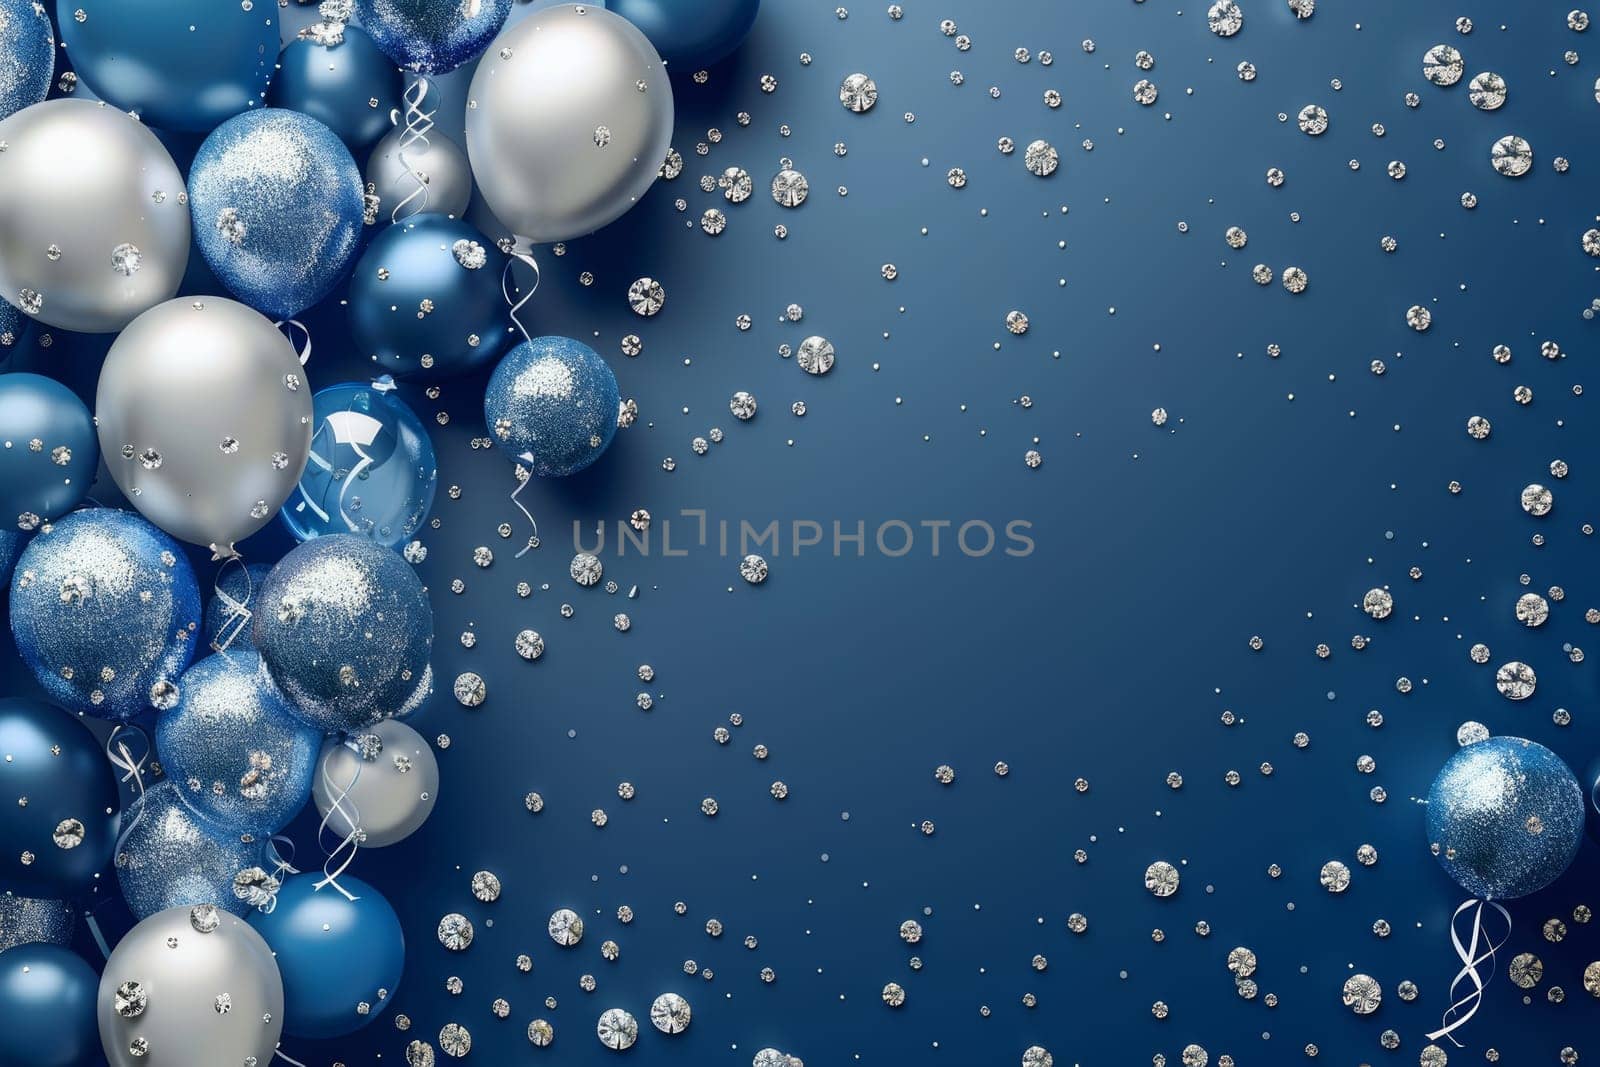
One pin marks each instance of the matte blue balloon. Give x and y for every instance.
(552, 404)
(1505, 817)
(238, 755)
(349, 86)
(170, 858)
(443, 260)
(691, 34)
(372, 471)
(278, 206)
(69, 825)
(233, 601)
(432, 36)
(47, 998)
(48, 450)
(179, 64)
(334, 954)
(28, 60)
(104, 607)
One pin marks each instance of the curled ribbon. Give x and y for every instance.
(239, 614)
(302, 347)
(415, 134)
(518, 255)
(132, 769)
(524, 476)
(339, 858)
(1479, 950)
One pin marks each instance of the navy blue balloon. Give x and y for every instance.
(227, 621)
(439, 259)
(12, 542)
(179, 64)
(278, 208)
(69, 825)
(48, 450)
(28, 60)
(334, 954)
(691, 34)
(11, 324)
(349, 86)
(432, 36)
(552, 405)
(47, 998)
(372, 471)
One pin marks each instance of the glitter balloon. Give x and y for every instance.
(440, 165)
(169, 857)
(47, 996)
(1505, 817)
(28, 61)
(27, 921)
(430, 37)
(344, 82)
(552, 405)
(345, 628)
(48, 452)
(383, 781)
(104, 610)
(233, 602)
(12, 542)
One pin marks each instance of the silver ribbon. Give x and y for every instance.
(418, 123)
(132, 767)
(525, 257)
(239, 614)
(1477, 952)
(524, 475)
(338, 859)
(302, 347)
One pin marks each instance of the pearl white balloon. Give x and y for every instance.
(390, 795)
(442, 166)
(571, 119)
(94, 220)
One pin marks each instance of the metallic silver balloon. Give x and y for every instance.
(190, 987)
(385, 780)
(205, 419)
(94, 223)
(569, 122)
(440, 164)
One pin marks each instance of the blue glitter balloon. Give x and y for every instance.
(11, 323)
(68, 827)
(429, 36)
(691, 34)
(1505, 817)
(335, 954)
(345, 627)
(447, 262)
(105, 612)
(277, 205)
(170, 858)
(240, 758)
(178, 64)
(348, 85)
(372, 471)
(226, 627)
(29, 921)
(28, 61)
(12, 542)
(48, 449)
(552, 404)
(47, 998)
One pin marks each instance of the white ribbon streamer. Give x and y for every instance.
(339, 858)
(418, 123)
(1472, 958)
(239, 614)
(302, 347)
(133, 770)
(524, 476)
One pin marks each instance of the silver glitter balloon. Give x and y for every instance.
(569, 118)
(170, 857)
(94, 224)
(385, 779)
(25, 921)
(205, 419)
(440, 164)
(188, 987)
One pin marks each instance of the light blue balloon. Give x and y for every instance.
(432, 36)
(28, 60)
(552, 404)
(169, 858)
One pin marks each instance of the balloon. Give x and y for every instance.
(93, 227)
(12, 542)
(1505, 817)
(345, 628)
(691, 33)
(190, 987)
(571, 121)
(385, 781)
(278, 208)
(27, 921)
(236, 754)
(343, 82)
(205, 419)
(227, 620)
(552, 404)
(341, 959)
(47, 999)
(439, 163)
(57, 843)
(443, 261)
(104, 610)
(430, 37)
(48, 453)
(11, 324)
(28, 61)
(168, 857)
(178, 64)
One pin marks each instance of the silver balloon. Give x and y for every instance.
(24, 921)
(205, 419)
(570, 121)
(385, 780)
(94, 223)
(190, 987)
(440, 164)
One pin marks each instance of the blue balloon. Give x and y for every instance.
(178, 64)
(11, 324)
(48, 450)
(372, 471)
(12, 542)
(169, 858)
(429, 36)
(238, 755)
(105, 612)
(348, 85)
(28, 61)
(277, 205)
(340, 959)
(1505, 817)
(691, 34)
(227, 621)
(47, 998)
(437, 259)
(57, 844)
(552, 404)
(29, 920)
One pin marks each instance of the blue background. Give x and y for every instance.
(1280, 490)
